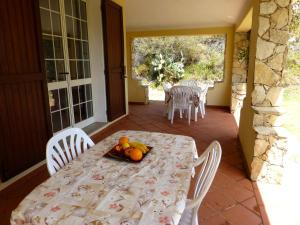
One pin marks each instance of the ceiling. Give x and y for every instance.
(180, 14)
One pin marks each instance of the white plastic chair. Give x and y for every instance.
(167, 87)
(202, 92)
(181, 99)
(65, 146)
(201, 89)
(210, 161)
(202, 98)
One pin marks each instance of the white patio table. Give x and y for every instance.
(96, 190)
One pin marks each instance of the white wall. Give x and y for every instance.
(94, 19)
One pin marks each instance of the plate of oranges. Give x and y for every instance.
(126, 150)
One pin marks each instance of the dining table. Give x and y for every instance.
(96, 190)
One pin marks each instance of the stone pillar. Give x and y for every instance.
(271, 51)
(239, 73)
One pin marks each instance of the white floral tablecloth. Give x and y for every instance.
(95, 190)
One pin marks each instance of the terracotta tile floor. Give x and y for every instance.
(230, 200)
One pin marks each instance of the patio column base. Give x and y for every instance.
(270, 152)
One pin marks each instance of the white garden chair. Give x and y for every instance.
(64, 147)
(202, 92)
(201, 88)
(181, 99)
(210, 161)
(167, 87)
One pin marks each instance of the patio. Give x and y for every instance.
(231, 199)
(80, 88)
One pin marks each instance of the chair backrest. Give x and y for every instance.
(203, 86)
(190, 83)
(181, 96)
(65, 146)
(210, 161)
(166, 86)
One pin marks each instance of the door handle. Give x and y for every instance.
(64, 73)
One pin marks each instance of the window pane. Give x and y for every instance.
(77, 30)
(75, 95)
(54, 5)
(73, 70)
(56, 123)
(78, 50)
(83, 111)
(80, 70)
(65, 117)
(88, 89)
(71, 47)
(56, 24)
(45, 21)
(83, 10)
(76, 114)
(68, 7)
(70, 31)
(63, 96)
(84, 30)
(54, 100)
(59, 53)
(90, 109)
(44, 4)
(85, 46)
(76, 6)
(48, 47)
(82, 93)
(60, 68)
(87, 70)
(50, 70)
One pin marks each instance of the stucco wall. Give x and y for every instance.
(94, 18)
(220, 94)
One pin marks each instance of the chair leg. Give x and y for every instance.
(172, 115)
(201, 110)
(169, 109)
(180, 112)
(196, 114)
(189, 116)
(203, 105)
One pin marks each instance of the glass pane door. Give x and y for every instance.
(79, 60)
(65, 45)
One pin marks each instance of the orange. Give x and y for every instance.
(127, 151)
(123, 140)
(136, 154)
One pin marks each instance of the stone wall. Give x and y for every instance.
(239, 73)
(271, 52)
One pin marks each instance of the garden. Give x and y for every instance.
(170, 59)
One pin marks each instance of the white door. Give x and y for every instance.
(67, 62)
